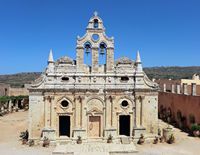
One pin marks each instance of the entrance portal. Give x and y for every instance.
(94, 126)
(124, 125)
(64, 126)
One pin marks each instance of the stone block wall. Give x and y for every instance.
(178, 104)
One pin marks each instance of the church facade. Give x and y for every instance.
(93, 100)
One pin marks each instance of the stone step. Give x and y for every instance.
(95, 148)
(91, 153)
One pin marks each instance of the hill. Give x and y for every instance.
(19, 79)
(173, 72)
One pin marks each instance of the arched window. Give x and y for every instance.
(102, 53)
(96, 23)
(87, 53)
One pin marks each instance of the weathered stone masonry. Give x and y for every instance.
(73, 99)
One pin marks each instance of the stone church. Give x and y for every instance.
(95, 98)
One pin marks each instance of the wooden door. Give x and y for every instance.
(94, 126)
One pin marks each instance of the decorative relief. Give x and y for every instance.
(124, 60)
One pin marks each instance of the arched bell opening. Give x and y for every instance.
(102, 53)
(96, 24)
(88, 53)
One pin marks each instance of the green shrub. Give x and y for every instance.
(195, 127)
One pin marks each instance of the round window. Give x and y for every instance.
(65, 103)
(95, 37)
(124, 103)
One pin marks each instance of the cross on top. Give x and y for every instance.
(95, 13)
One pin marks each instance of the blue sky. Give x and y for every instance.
(167, 32)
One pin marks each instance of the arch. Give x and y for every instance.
(96, 23)
(87, 53)
(102, 53)
(95, 105)
(96, 97)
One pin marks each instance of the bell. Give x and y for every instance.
(102, 51)
(87, 50)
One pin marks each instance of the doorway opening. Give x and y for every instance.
(124, 125)
(64, 126)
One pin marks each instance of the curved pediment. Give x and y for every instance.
(65, 60)
(124, 60)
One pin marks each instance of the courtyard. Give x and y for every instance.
(12, 124)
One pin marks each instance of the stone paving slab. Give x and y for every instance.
(94, 148)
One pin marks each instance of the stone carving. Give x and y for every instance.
(101, 98)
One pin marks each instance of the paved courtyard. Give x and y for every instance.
(11, 125)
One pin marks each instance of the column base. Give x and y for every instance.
(137, 131)
(110, 131)
(49, 133)
(79, 132)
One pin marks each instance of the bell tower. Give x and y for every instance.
(95, 42)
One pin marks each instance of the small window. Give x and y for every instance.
(65, 78)
(96, 23)
(65, 104)
(124, 103)
(124, 78)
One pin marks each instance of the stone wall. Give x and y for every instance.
(4, 89)
(183, 108)
(18, 92)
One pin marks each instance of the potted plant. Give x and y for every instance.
(109, 140)
(46, 142)
(79, 140)
(171, 139)
(155, 140)
(162, 139)
(141, 139)
(31, 143)
(195, 130)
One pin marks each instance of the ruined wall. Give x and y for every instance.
(18, 92)
(186, 104)
(4, 89)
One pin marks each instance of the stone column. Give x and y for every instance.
(80, 118)
(193, 87)
(164, 87)
(138, 128)
(178, 89)
(173, 91)
(141, 111)
(48, 130)
(185, 92)
(109, 59)
(47, 112)
(137, 111)
(79, 58)
(108, 112)
(95, 59)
